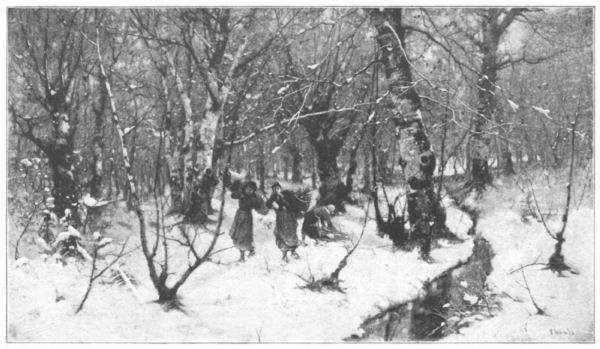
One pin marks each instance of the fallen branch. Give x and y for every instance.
(129, 283)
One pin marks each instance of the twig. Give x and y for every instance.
(535, 262)
(539, 310)
(94, 275)
(526, 266)
(25, 229)
(537, 206)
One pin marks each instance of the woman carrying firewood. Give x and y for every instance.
(289, 207)
(242, 227)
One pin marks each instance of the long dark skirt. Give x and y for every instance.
(312, 231)
(241, 231)
(285, 231)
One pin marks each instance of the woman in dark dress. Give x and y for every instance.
(242, 228)
(317, 222)
(286, 223)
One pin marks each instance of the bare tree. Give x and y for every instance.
(556, 263)
(205, 35)
(167, 293)
(46, 58)
(425, 214)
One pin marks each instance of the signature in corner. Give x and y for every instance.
(561, 332)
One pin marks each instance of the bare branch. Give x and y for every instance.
(538, 309)
(537, 206)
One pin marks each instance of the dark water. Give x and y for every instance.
(450, 302)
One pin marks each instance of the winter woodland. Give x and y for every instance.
(300, 175)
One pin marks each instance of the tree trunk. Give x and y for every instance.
(96, 188)
(286, 168)
(505, 163)
(327, 149)
(382, 166)
(296, 156)
(65, 187)
(494, 24)
(132, 162)
(97, 170)
(260, 167)
(181, 154)
(313, 175)
(352, 167)
(173, 144)
(332, 190)
(426, 216)
(61, 159)
(109, 180)
(508, 168)
(367, 184)
(353, 162)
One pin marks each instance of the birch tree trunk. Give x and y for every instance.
(178, 160)
(426, 216)
(161, 288)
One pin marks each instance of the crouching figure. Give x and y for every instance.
(317, 223)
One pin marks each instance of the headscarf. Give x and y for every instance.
(249, 184)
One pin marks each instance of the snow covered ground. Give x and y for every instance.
(255, 301)
(568, 302)
(260, 301)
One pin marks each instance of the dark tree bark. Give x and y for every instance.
(367, 183)
(65, 188)
(96, 183)
(353, 161)
(109, 180)
(352, 167)
(508, 167)
(327, 149)
(286, 168)
(51, 61)
(297, 166)
(313, 174)
(329, 173)
(296, 157)
(324, 138)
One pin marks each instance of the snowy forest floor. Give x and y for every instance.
(260, 300)
(568, 302)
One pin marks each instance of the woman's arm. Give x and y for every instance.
(259, 205)
(270, 201)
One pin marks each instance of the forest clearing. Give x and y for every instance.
(300, 175)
